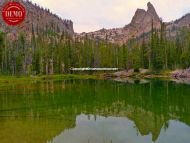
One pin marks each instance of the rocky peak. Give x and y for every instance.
(145, 17)
(138, 17)
(151, 10)
(141, 24)
(150, 7)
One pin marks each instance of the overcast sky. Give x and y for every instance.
(92, 15)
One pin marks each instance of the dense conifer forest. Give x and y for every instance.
(50, 53)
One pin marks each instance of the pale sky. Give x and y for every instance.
(92, 15)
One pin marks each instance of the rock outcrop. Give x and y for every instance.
(181, 74)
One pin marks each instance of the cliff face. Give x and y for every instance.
(38, 20)
(141, 23)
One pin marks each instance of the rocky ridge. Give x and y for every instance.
(39, 19)
(141, 24)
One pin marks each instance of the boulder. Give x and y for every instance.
(181, 73)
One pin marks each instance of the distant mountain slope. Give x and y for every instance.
(38, 19)
(141, 23)
(174, 26)
(42, 20)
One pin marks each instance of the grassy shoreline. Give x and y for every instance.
(18, 79)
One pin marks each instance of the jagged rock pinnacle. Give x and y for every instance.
(151, 10)
(150, 6)
(144, 18)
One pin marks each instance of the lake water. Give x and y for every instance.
(91, 111)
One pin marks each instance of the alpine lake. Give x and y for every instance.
(95, 111)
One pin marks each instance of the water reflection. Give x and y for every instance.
(118, 130)
(95, 111)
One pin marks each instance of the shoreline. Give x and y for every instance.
(6, 79)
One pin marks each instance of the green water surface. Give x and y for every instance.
(91, 111)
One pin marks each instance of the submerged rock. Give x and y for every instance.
(131, 80)
(182, 81)
(125, 80)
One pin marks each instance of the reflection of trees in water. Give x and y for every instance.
(149, 105)
(32, 131)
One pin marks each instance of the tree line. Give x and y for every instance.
(50, 53)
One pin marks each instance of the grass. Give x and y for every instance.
(21, 79)
(163, 74)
